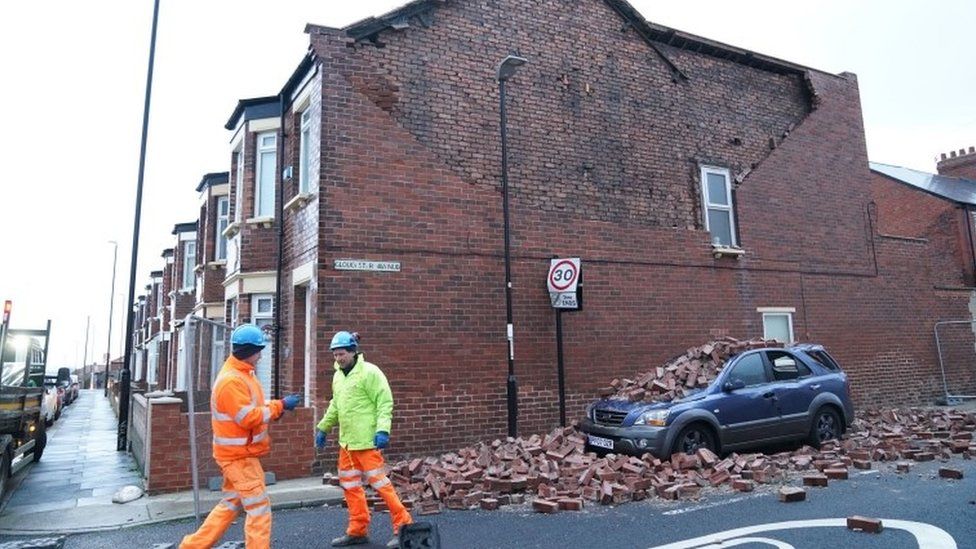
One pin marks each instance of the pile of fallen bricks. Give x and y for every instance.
(553, 473)
(695, 369)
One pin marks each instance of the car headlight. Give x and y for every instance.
(589, 410)
(656, 418)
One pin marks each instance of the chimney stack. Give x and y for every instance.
(961, 163)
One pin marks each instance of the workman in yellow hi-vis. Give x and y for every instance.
(362, 406)
(240, 419)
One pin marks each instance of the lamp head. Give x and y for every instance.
(508, 66)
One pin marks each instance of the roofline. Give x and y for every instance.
(652, 33)
(213, 178)
(305, 65)
(185, 227)
(243, 104)
(920, 189)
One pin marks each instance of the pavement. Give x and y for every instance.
(70, 490)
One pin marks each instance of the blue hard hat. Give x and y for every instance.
(343, 340)
(248, 334)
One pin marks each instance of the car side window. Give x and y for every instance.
(751, 370)
(823, 359)
(786, 367)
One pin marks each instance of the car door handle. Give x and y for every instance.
(770, 394)
(815, 387)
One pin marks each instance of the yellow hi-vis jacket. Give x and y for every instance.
(361, 404)
(238, 413)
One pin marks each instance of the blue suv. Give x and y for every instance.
(760, 397)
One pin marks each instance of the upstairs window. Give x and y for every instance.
(304, 156)
(223, 220)
(265, 186)
(189, 262)
(717, 205)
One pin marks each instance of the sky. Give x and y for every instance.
(75, 72)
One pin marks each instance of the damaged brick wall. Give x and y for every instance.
(605, 149)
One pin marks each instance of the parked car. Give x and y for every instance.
(64, 381)
(52, 382)
(760, 397)
(75, 387)
(50, 406)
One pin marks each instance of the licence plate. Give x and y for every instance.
(600, 442)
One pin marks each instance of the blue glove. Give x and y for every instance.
(320, 439)
(381, 439)
(291, 401)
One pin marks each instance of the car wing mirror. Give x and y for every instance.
(733, 385)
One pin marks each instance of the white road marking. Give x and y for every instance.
(742, 541)
(926, 535)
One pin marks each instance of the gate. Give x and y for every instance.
(955, 341)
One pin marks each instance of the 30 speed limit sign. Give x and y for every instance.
(563, 279)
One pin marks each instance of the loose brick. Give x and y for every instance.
(544, 506)
(946, 472)
(864, 524)
(815, 480)
(789, 494)
(836, 474)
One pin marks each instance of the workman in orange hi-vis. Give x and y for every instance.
(362, 406)
(240, 418)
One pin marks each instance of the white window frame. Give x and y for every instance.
(262, 210)
(727, 207)
(223, 220)
(304, 158)
(788, 313)
(188, 280)
(264, 366)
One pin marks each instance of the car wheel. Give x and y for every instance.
(826, 425)
(40, 441)
(5, 461)
(694, 437)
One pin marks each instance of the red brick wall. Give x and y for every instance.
(169, 463)
(605, 150)
(906, 211)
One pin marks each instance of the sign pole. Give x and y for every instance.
(560, 372)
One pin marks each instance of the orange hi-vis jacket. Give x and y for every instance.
(239, 415)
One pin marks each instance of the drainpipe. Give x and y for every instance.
(280, 206)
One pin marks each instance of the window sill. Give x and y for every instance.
(232, 229)
(214, 265)
(265, 222)
(718, 252)
(299, 202)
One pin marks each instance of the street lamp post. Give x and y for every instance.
(123, 432)
(506, 69)
(111, 306)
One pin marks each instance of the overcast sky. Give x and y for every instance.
(74, 76)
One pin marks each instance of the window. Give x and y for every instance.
(239, 184)
(262, 316)
(304, 156)
(824, 359)
(223, 219)
(778, 326)
(189, 262)
(159, 299)
(717, 198)
(750, 370)
(217, 351)
(265, 186)
(786, 366)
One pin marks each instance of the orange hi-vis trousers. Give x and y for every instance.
(243, 489)
(356, 467)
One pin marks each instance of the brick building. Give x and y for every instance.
(709, 191)
(182, 296)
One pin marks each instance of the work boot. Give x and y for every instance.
(346, 540)
(394, 543)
